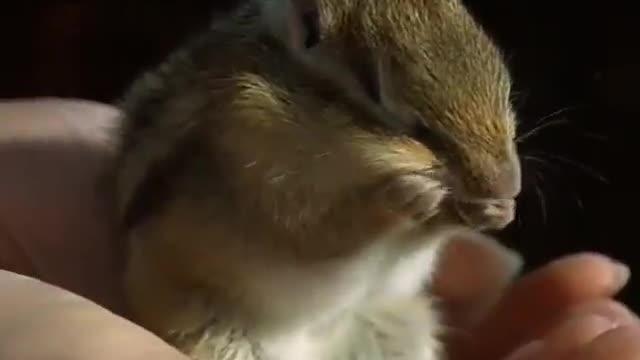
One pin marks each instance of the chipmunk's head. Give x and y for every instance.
(408, 87)
(432, 65)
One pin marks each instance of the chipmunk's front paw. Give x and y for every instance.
(415, 196)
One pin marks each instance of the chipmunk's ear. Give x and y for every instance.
(295, 22)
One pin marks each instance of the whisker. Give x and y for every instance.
(579, 202)
(536, 159)
(580, 166)
(536, 130)
(551, 166)
(519, 98)
(541, 199)
(556, 113)
(594, 136)
(542, 124)
(537, 180)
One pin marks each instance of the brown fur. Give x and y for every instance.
(248, 158)
(445, 67)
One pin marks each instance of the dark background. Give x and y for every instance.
(576, 66)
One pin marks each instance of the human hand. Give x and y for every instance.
(562, 311)
(54, 227)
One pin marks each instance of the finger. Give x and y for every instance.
(568, 336)
(575, 333)
(472, 273)
(538, 300)
(40, 321)
(53, 219)
(46, 119)
(622, 343)
(605, 307)
(596, 343)
(581, 326)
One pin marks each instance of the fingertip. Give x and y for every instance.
(511, 260)
(623, 274)
(472, 274)
(473, 263)
(578, 277)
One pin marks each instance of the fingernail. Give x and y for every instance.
(528, 351)
(623, 273)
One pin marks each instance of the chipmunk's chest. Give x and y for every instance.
(316, 299)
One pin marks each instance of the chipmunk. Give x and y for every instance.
(286, 179)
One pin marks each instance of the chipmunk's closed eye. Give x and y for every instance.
(311, 23)
(369, 74)
(296, 23)
(420, 130)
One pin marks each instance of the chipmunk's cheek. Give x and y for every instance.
(489, 214)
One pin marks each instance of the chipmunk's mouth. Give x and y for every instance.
(491, 207)
(486, 214)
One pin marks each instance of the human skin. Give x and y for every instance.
(55, 228)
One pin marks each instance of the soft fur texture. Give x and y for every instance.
(275, 210)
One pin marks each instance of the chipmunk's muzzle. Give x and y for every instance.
(490, 204)
(487, 214)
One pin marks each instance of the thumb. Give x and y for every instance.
(41, 321)
(472, 273)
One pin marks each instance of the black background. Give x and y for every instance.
(575, 65)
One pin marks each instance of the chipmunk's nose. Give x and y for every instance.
(491, 203)
(486, 181)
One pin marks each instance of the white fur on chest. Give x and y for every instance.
(411, 273)
(305, 298)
